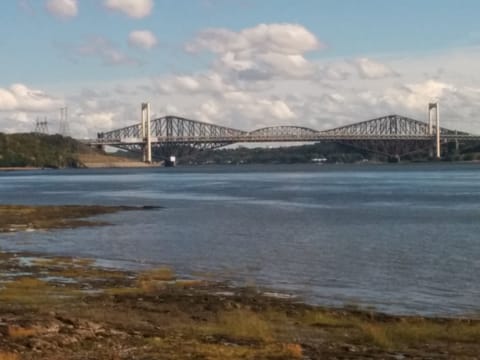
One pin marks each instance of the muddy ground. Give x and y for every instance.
(70, 308)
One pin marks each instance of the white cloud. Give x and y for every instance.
(208, 112)
(204, 83)
(19, 97)
(186, 83)
(417, 96)
(142, 39)
(62, 8)
(263, 112)
(260, 52)
(17, 122)
(294, 65)
(339, 70)
(287, 39)
(100, 121)
(278, 109)
(263, 76)
(369, 69)
(132, 8)
(238, 97)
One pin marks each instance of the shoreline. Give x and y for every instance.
(59, 307)
(13, 168)
(141, 165)
(70, 308)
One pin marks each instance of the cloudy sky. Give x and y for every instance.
(240, 63)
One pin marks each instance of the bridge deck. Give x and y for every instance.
(286, 138)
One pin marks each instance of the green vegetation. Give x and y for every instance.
(37, 150)
(320, 152)
(24, 217)
(56, 151)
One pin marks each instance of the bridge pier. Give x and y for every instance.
(437, 145)
(146, 133)
(457, 144)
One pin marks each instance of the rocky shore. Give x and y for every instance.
(71, 308)
(47, 217)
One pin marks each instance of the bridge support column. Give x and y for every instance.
(146, 133)
(436, 107)
(457, 144)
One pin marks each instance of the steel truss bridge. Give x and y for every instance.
(392, 135)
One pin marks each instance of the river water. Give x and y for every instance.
(403, 239)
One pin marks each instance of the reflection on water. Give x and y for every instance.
(401, 238)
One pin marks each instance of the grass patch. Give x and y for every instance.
(154, 279)
(195, 349)
(414, 332)
(241, 324)
(377, 334)
(323, 318)
(31, 291)
(158, 274)
(8, 356)
(189, 283)
(21, 217)
(87, 273)
(118, 291)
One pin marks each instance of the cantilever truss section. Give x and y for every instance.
(391, 125)
(174, 128)
(391, 135)
(388, 126)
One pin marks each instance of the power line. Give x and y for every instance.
(41, 127)
(64, 127)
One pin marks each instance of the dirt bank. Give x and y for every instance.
(96, 160)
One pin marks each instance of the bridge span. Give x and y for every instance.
(391, 135)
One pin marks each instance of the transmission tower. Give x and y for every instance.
(41, 127)
(64, 128)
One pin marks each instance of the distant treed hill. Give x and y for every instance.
(320, 152)
(37, 150)
(56, 151)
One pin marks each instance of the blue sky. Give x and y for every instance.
(77, 52)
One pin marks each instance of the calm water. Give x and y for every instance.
(404, 239)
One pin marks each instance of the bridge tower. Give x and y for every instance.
(146, 133)
(435, 108)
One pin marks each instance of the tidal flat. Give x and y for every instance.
(72, 308)
(46, 217)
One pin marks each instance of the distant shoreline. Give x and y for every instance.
(19, 168)
(142, 165)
